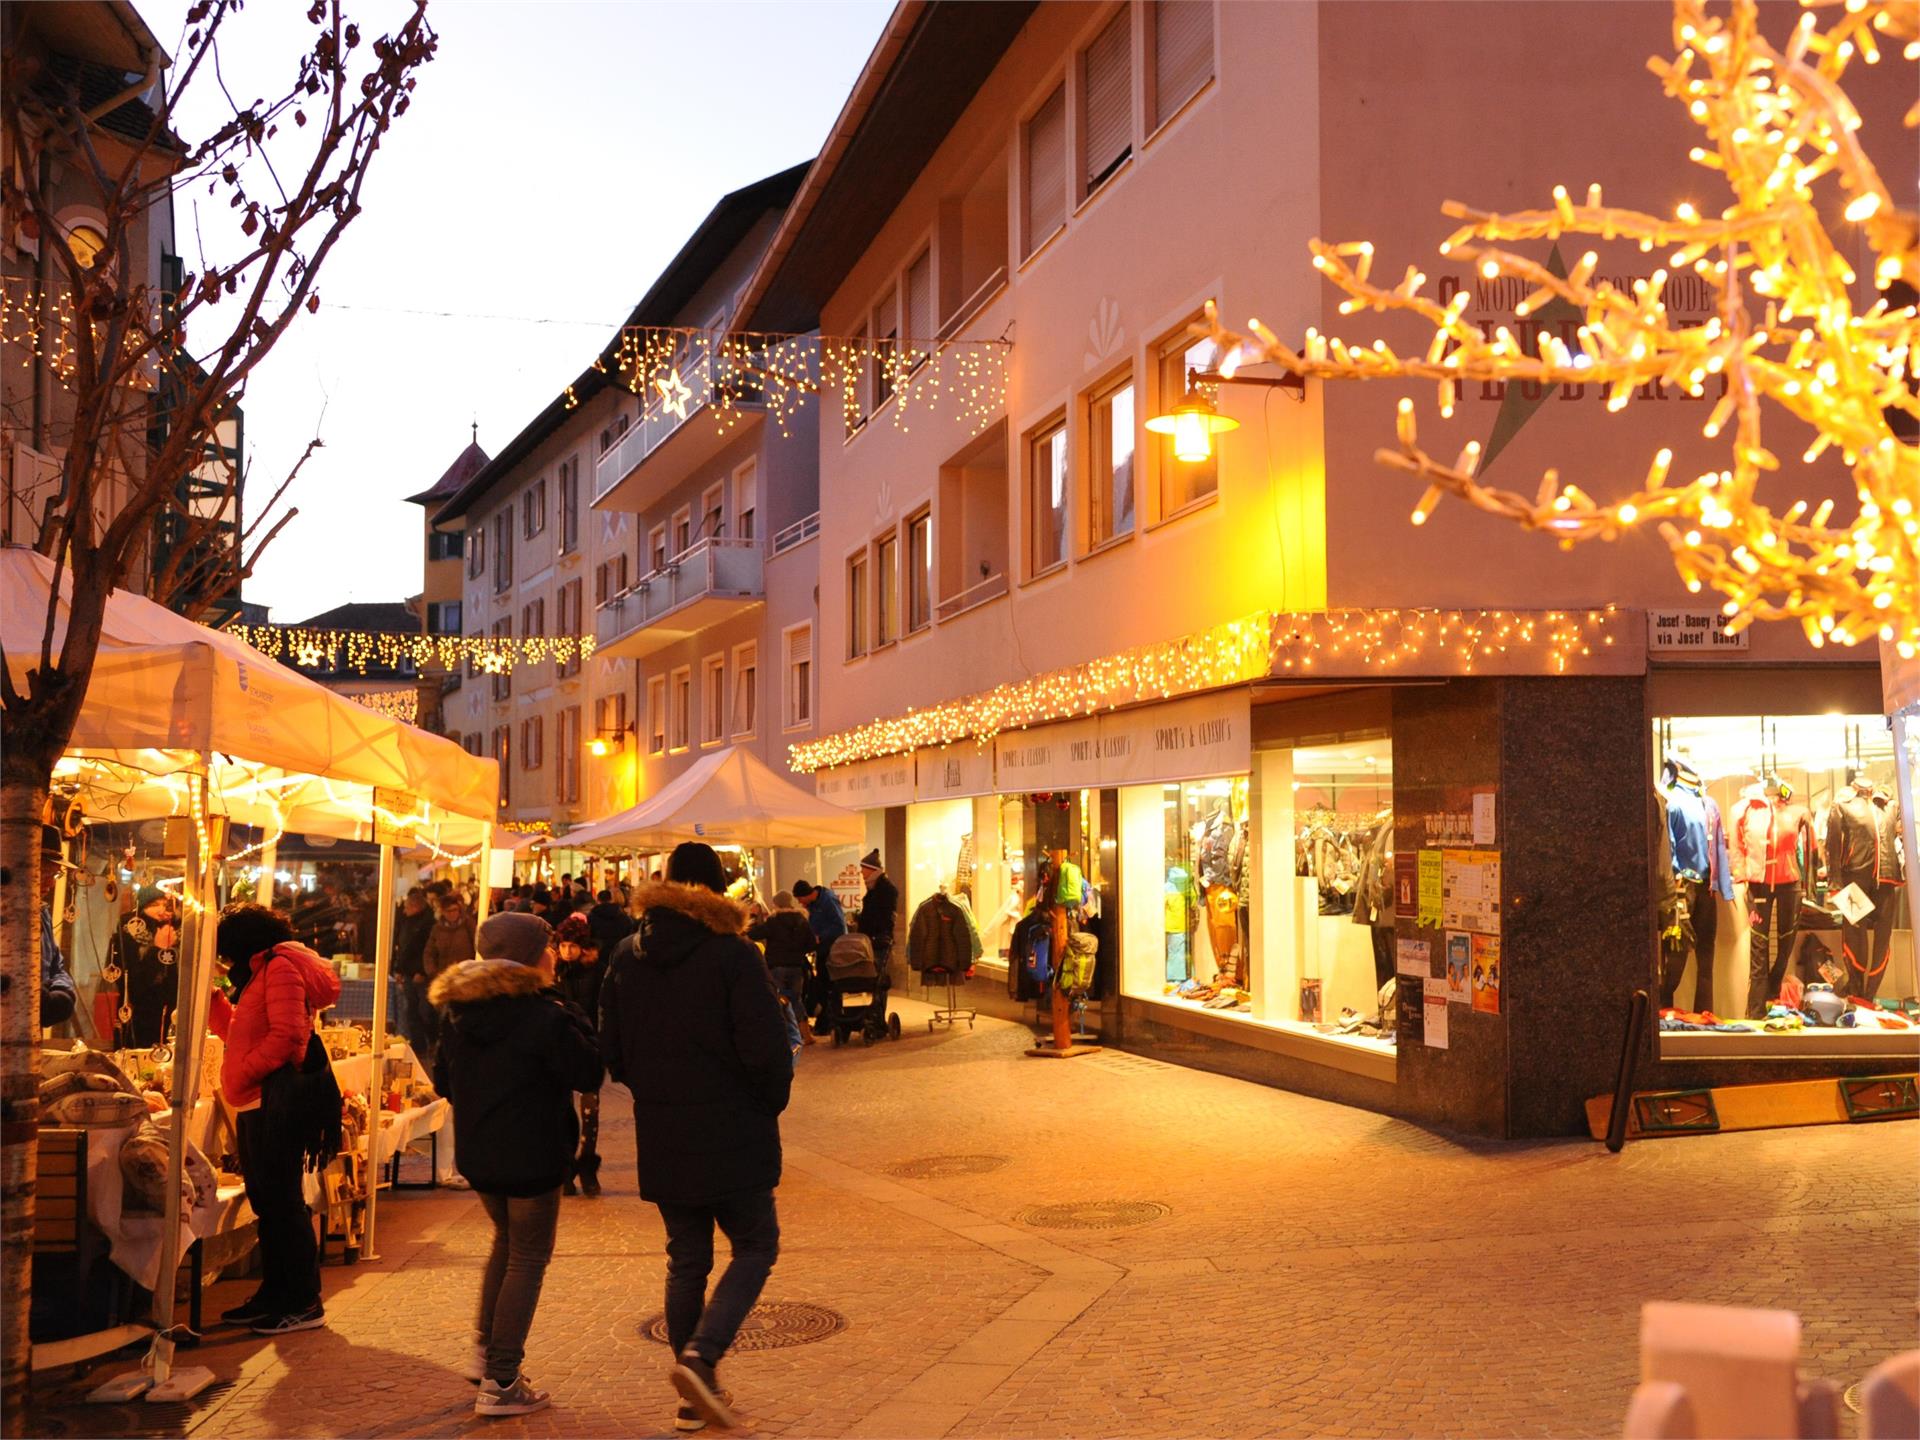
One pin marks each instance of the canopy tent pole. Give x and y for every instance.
(484, 901)
(1906, 771)
(376, 1070)
(199, 920)
(269, 862)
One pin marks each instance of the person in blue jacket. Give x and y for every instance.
(56, 985)
(827, 920)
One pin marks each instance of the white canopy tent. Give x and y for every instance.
(182, 720)
(731, 797)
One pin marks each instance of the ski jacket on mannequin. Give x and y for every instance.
(1764, 836)
(1699, 839)
(1862, 842)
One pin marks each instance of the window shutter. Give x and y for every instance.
(1046, 170)
(1109, 99)
(1182, 53)
(920, 303)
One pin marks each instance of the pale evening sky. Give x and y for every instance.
(555, 158)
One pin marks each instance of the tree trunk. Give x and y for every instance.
(24, 775)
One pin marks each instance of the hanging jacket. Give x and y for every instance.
(689, 1023)
(1181, 901)
(268, 1026)
(941, 937)
(1862, 842)
(1764, 837)
(1699, 840)
(1373, 896)
(512, 1052)
(1216, 850)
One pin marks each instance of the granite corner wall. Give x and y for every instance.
(1447, 745)
(1576, 844)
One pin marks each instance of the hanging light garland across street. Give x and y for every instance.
(357, 649)
(401, 705)
(1785, 329)
(677, 369)
(1255, 647)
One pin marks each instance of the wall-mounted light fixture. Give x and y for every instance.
(1195, 420)
(608, 741)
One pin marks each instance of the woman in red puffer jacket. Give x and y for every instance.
(278, 989)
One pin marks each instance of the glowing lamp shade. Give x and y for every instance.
(598, 746)
(1193, 424)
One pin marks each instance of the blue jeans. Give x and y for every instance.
(752, 1228)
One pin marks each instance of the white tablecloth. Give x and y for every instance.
(134, 1237)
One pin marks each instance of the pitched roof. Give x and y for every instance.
(930, 62)
(467, 464)
(92, 84)
(378, 616)
(729, 222)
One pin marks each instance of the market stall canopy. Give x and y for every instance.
(728, 798)
(283, 752)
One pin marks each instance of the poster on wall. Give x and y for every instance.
(1406, 882)
(1432, 887)
(1471, 882)
(1434, 996)
(1409, 1003)
(1483, 831)
(1486, 974)
(1413, 957)
(1459, 963)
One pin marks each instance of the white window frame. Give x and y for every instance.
(859, 616)
(746, 684)
(567, 481)
(1044, 433)
(656, 714)
(1097, 489)
(746, 500)
(680, 538)
(910, 569)
(657, 555)
(680, 710)
(566, 779)
(803, 692)
(1152, 116)
(1086, 186)
(713, 511)
(1034, 234)
(713, 699)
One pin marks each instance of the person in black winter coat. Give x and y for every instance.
(879, 908)
(512, 1054)
(578, 975)
(789, 941)
(690, 1024)
(609, 922)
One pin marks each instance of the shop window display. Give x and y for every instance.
(1781, 894)
(1207, 892)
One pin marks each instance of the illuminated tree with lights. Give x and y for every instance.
(1786, 329)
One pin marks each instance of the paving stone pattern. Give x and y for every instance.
(1316, 1271)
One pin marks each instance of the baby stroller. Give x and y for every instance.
(857, 993)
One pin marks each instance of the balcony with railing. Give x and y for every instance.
(709, 582)
(666, 446)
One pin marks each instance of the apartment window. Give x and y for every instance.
(862, 405)
(502, 752)
(657, 715)
(610, 714)
(572, 623)
(886, 342)
(886, 565)
(920, 571)
(477, 556)
(503, 550)
(445, 544)
(532, 742)
(712, 515)
(1044, 170)
(609, 579)
(679, 708)
(569, 478)
(1110, 463)
(1183, 482)
(682, 531)
(1047, 499)
(533, 508)
(799, 676)
(566, 781)
(1180, 33)
(503, 681)
(473, 742)
(443, 617)
(533, 617)
(920, 310)
(1106, 102)
(746, 501)
(857, 606)
(713, 699)
(746, 690)
(657, 548)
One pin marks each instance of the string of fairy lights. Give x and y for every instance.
(1235, 653)
(1785, 329)
(51, 339)
(677, 369)
(358, 649)
(401, 705)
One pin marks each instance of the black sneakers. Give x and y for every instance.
(251, 1312)
(311, 1318)
(700, 1388)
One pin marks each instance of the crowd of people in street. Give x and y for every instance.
(696, 1001)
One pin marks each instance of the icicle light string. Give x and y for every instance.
(1784, 330)
(357, 649)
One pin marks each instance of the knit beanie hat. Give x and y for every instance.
(509, 936)
(573, 931)
(695, 864)
(148, 894)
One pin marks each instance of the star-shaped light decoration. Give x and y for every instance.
(674, 393)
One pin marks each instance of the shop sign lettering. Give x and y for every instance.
(1698, 632)
(889, 781)
(951, 772)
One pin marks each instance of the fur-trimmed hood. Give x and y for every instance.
(699, 904)
(472, 981)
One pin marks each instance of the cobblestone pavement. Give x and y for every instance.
(1305, 1269)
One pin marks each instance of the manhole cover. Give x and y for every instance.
(940, 1167)
(1094, 1214)
(776, 1325)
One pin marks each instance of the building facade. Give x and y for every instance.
(1380, 812)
